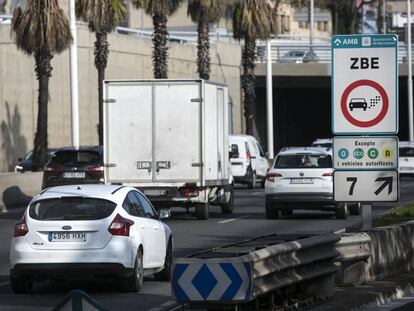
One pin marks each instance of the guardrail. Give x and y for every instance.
(246, 271)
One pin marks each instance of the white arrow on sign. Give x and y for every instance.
(366, 186)
(337, 41)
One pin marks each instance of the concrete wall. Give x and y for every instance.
(130, 58)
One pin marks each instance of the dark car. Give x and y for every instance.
(25, 164)
(70, 166)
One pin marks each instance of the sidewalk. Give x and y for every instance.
(372, 294)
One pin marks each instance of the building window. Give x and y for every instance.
(325, 26)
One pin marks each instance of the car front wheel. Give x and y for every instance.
(341, 211)
(165, 274)
(271, 211)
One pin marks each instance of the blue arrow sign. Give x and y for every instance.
(206, 281)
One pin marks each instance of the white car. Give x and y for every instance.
(406, 158)
(323, 143)
(301, 178)
(88, 231)
(248, 161)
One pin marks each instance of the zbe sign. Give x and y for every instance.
(364, 84)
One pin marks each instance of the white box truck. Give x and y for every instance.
(169, 139)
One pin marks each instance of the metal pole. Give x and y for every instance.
(311, 27)
(384, 13)
(410, 76)
(366, 215)
(269, 99)
(73, 52)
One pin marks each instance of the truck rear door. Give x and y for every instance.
(128, 132)
(177, 115)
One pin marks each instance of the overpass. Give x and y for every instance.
(302, 96)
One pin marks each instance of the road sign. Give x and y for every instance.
(366, 186)
(365, 153)
(222, 281)
(364, 84)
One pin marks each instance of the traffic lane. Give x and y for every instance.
(191, 235)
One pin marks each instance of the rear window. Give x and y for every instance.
(407, 152)
(322, 145)
(71, 209)
(304, 161)
(74, 157)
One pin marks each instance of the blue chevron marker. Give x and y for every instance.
(197, 280)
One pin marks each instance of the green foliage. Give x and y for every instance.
(42, 26)
(253, 19)
(212, 10)
(102, 15)
(396, 215)
(158, 7)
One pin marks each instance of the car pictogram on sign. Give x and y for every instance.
(358, 103)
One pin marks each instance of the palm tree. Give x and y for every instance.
(159, 10)
(41, 30)
(102, 17)
(204, 12)
(252, 20)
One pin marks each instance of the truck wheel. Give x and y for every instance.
(354, 209)
(341, 211)
(202, 211)
(252, 183)
(271, 211)
(227, 208)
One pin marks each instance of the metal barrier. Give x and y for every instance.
(245, 271)
(354, 250)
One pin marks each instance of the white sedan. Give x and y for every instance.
(90, 231)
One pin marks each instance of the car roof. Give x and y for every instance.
(91, 148)
(305, 150)
(406, 144)
(114, 193)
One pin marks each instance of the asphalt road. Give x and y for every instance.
(190, 235)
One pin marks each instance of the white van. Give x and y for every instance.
(248, 161)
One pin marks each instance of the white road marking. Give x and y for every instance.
(340, 231)
(4, 284)
(232, 219)
(166, 304)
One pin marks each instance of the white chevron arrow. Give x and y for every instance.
(185, 281)
(223, 282)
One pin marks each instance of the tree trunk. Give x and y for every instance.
(101, 59)
(43, 71)
(203, 48)
(160, 49)
(249, 83)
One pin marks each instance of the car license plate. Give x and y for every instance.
(155, 192)
(301, 181)
(67, 237)
(74, 175)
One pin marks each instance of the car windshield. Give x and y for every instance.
(73, 157)
(303, 161)
(73, 208)
(407, 152)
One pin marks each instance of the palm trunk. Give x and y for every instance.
(101, 59)
(203, 48)
(160, 49)
(249, 83)
(43, 72)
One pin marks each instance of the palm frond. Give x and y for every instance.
(212, 9)
(158, 7)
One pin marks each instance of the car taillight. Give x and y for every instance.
(271, 176)
(328, 174)
(20, 228)
(52, 169)
(248, 156)
(95, 169)
(120, 226)
(188, 192)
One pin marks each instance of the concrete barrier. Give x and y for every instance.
(17, 189)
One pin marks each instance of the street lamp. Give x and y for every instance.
(73, 63)
(410, 78)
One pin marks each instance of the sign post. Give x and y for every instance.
(365, 102)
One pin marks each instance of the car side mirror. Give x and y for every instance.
(164, 213)
(20, 159)
(267, 155)
(234, 152)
